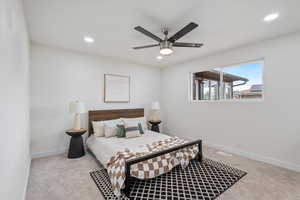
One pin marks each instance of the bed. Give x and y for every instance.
(103, 149)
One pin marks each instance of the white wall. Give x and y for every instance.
(268, 130)
(14, 101)
(59, 76)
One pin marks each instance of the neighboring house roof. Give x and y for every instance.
(256, 88)
(215, 75)
(245, 91)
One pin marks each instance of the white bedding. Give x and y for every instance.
(104, 148)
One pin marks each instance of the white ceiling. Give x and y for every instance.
(223, 24)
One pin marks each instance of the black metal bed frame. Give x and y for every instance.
(133, 161)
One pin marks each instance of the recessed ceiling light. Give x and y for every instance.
(271, 17)
(89, 39)
(159, 57)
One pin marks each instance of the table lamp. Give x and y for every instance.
(77, 108)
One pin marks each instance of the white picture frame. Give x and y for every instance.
(116, 88)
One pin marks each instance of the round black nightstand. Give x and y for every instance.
(155, 125)
(76, 149)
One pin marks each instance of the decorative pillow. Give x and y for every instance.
(140, 128)
(132, 134)
(135, 121)
(134, 127)
(98, 128)
(121, 132)
(110, 127)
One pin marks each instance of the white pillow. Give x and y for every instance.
(110, 127)
(98, 127)
(134, 122)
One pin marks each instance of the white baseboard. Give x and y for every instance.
(48, 153)
(27, 180)
(253, 156)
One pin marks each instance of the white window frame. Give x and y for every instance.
(258, 100)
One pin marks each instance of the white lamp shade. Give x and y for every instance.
(155, 105)
(77, 107)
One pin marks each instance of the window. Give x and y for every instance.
(238, 82)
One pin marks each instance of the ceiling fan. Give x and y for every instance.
(167, 44)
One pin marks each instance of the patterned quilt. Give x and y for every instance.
(150, 168)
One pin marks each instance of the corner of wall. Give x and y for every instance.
(48, 153)
(27, 179)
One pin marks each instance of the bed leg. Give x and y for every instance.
(200, 154)
(126, 189)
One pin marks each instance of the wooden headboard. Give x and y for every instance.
(102, 115)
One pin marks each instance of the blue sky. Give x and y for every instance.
(253, 72)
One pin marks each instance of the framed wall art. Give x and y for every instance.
(116, 88)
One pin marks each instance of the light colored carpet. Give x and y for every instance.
(59, 178)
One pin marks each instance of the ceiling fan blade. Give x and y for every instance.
(146, 46)
(184, 44)
(185, 30)
(144, 31)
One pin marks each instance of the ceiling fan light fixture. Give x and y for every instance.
(166, 51)
(166, 48)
